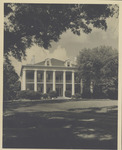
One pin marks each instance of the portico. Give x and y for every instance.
(45, 78)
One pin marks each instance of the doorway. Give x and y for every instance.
(59, 90)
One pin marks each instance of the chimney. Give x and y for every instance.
(33, 60)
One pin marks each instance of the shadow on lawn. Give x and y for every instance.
(93, 128)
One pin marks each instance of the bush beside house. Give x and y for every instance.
(68, 93)
(28, 95)
(45, 96)
(77, 96)
(53, 94)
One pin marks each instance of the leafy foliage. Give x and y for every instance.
(11, 81)
(68, 93)
(45, 96)
(32, 95)
(26, 24)
(99, 66)
(53, 94)
(77, 96)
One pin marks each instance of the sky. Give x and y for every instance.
(69, 45)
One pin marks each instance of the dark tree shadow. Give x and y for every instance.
(93, 128)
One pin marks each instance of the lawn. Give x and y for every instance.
(64, 124)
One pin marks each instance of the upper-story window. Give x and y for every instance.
(68, 63)
(39, 75)
(47, 62)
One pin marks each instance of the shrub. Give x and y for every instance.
(68, 93)
(86, 94)
(21, 94)
(34, 95)
(77, 95)
(28, 95)
(53, 94)
(73, 96)
(45, 95)
(112, 93)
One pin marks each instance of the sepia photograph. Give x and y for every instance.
(60, 75)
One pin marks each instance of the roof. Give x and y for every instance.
(54, 62)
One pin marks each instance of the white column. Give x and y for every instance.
(21, 83)
(24, 80)
(45, 81)
(91, 87)
(35, 80)
(64, 83)
(81, 85)
(73, 83)
(53, 80)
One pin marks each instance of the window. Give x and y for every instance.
(47, 62)
(29, 76)
(39, 75)
(68, 64)
(30, 86)
(40, 88)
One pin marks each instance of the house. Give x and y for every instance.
(51, 75)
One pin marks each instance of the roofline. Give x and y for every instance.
(36, 66)
(50, 59)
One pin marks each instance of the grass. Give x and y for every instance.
(60, 124)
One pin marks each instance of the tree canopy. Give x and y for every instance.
(11, 80)
(28, 24)
(99, 67)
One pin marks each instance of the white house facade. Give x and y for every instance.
(51, 75)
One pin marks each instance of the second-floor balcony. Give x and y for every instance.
(68, 81)
(40, 80)
(29, 80)
(49, 80)
(59, 81)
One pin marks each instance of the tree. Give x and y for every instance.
(26, 24)
(11, 81)
(110, 77)
(99, 67)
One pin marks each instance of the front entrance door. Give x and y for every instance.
(59, 90)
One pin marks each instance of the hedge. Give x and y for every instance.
(68, 93)
(28, 95)
(53, 94)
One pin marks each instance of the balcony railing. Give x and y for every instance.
(59, 81)
(68, 81)
(29, 80)
(40, 80)
(49, 80)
